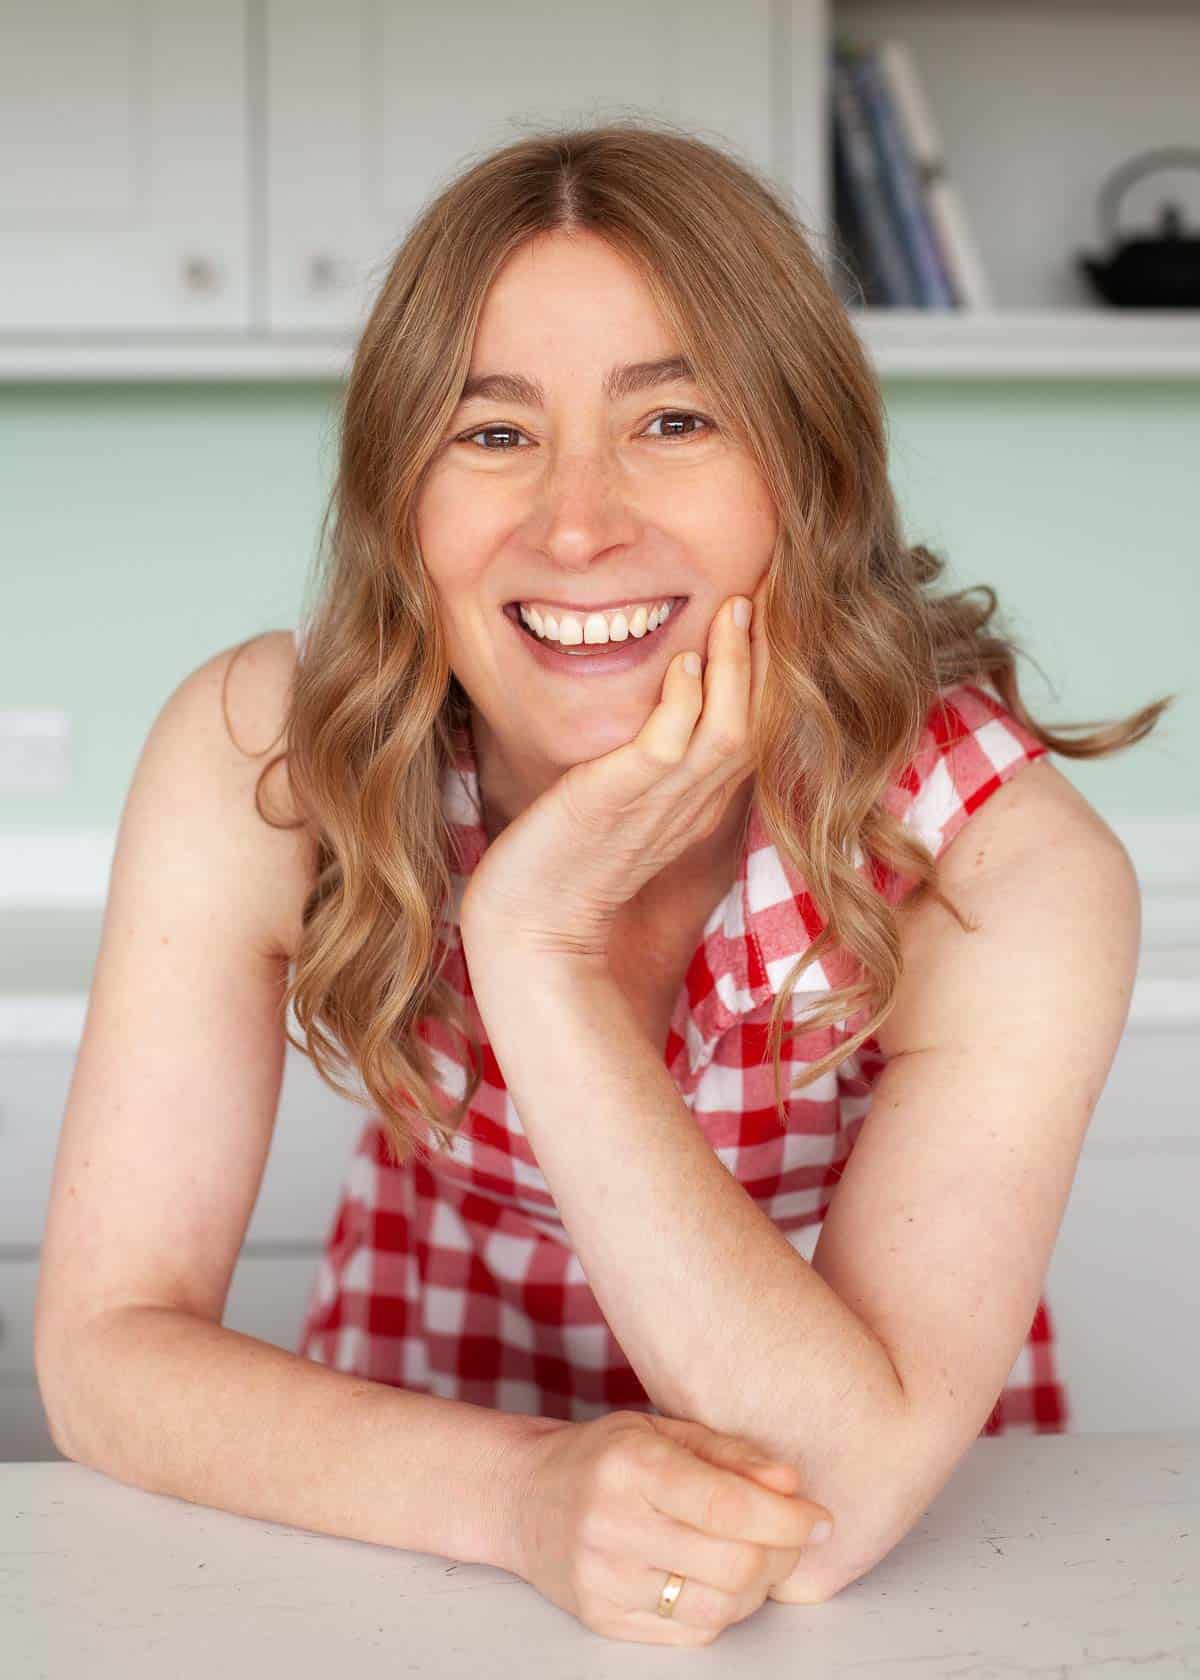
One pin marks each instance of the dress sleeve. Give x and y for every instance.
(971, 745)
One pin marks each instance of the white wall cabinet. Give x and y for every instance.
(252, 165)
(372, 108)
(125, 186)
(216, 192)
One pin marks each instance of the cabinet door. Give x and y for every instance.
(124, 190)
(372, 107)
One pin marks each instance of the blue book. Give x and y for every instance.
(889, 280)
(902, 186)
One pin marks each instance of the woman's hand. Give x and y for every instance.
(608, 826)
(613, 1506)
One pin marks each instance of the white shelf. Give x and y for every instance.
(1032, 343)
(1039, 109)
(912, 343)
(140, 360)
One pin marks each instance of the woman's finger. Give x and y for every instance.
(720, 741)
(728, 1505)
(665, 737)
(724, 1580)
(669, 750)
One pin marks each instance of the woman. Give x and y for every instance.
(630, 956)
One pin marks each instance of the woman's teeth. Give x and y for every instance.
(572, 630)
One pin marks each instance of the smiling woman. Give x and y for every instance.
(527, 542)
(583, 491)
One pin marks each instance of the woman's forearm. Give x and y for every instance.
(720, 1317)
(176, 1404)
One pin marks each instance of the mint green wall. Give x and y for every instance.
(146, 526)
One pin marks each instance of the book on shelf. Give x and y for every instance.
(898, 215)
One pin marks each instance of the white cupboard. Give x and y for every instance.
(125, 191)
(250, 166)
(211, 192)
(371, 109)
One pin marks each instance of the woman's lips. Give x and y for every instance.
(611, 657)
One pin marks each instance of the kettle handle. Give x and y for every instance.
(1115, 187)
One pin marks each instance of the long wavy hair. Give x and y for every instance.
(859, 646)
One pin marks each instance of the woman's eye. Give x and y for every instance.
(670, 414)
(486, 431)
(674, 414)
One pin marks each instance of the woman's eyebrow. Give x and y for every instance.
(623, 380)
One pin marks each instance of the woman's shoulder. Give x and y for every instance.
(972, 746)
(256, 679)
(977, 768)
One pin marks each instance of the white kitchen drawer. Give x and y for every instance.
(126, 134)
(314, 1137)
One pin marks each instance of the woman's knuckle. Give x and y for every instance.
(714, 1611)
(617, 1464)
(660, 754)
(601, 1620)
(728, 742)
(595, 1526)
(729, 1507)
(747, 1567)
(712, 1510)
(651, 1451)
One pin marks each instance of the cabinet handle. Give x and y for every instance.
(200, 274)
(322, 272)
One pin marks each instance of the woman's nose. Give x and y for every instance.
(583, 493)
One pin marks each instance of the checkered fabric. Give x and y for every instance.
(451, 1273)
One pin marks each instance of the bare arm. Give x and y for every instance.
(166, 1132)
(175, 1404)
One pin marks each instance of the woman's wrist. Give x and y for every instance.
(514, 1488)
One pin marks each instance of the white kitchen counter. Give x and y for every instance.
(1056, 1555)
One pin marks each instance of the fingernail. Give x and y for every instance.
(691, 663)
(820, 1532)
(741, 612)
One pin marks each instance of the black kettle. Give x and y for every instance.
(1154, 271)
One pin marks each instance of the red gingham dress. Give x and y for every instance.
(451, 1274)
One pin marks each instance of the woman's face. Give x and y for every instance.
(574, 497)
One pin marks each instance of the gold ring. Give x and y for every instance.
(670, 1592)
